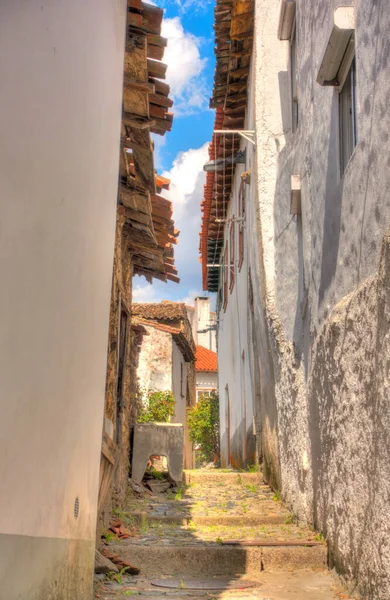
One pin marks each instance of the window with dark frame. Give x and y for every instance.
(294, 78)
(347, 117)
(225, 276)
(232, 236)
(241, 214)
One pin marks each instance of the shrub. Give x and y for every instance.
(203, 424)
(157, 407)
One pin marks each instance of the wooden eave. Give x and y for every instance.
(148, 225)
(233, 26)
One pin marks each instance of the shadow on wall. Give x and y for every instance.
(349, 430)
(333, 195)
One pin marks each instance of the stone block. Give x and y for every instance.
(158, 439)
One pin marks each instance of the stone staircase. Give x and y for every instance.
(224, 524)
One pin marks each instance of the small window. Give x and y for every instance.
(241, 214)
(225, 276)
(347, 117)
(294, 79)
(200, 393)
(232, 255)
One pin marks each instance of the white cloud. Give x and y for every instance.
(185, 68)
(186, 193)
(145, 292)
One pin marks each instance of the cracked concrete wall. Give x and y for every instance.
(320, 309)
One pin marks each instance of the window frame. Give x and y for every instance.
(232, 254)
(241, 214)
(293, 56)
(348, 132)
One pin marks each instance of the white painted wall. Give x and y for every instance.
(61, 68)
(234, 342)
(179, 383)
(206, 380)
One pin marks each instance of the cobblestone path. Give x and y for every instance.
(218, 525)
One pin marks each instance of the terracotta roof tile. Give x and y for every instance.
(206, 360)
(167, 311)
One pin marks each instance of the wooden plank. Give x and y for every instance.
(157, 111)
(160, 100)
(109, 448)
(135, 63)
(241, 27)
(143, 86)
(156, 68)
(133, 120)
(152, 18)
(161, 87)
(155, 52)
(144, 168)
(173, 278)
(157, 40)
(139, 137)
(135, 215)
(131, 199)
(136, 102)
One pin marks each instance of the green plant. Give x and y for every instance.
(179, 493)
(239, 479)
(203, 424)
(219, 540)
(129, 593)
(182, 585)
(251, 488)
(157, 407)
(155, 474)
(289, 520)
(276, 496)
(244, 507)
(109, 536)
(118, 577)
(320, 537)
(253, 468)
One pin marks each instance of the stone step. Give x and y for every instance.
(221, 520)
(220, 560)
(279, 585)
(216, 476)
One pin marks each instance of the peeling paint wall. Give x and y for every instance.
(162, 367)
(320, 313)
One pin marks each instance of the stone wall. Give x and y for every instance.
(320, 321)
(121, 414)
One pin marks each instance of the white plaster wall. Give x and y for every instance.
(233, 343)
(61, 68)
(206, 380)
(203, 321)
(155, 360)
(179, 389)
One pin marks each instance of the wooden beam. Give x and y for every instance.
(156, 69)
(133, 120)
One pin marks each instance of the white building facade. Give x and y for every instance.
(308, 309)
(61, 102)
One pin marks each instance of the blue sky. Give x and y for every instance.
(180, 154)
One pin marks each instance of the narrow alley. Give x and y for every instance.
(195, 299)
(223, 534)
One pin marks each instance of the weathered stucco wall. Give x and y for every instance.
(155, 360)
(320, 315)
(61, 69)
